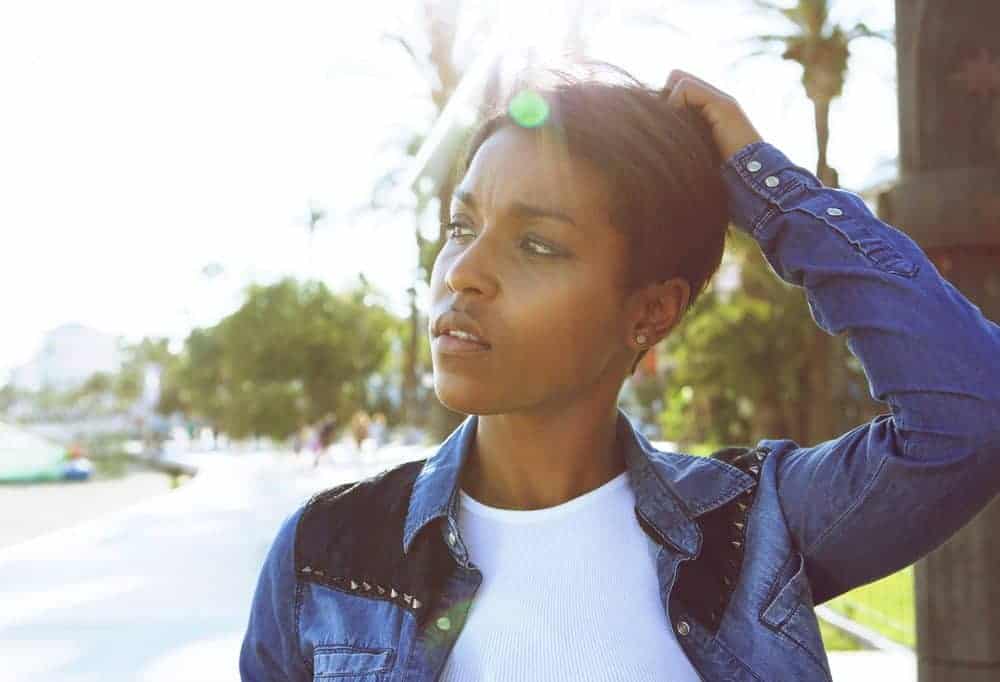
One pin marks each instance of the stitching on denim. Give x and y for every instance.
(899, 257)
(762, 221)
(298, 619)
(773, 206)
(781, 631)
(862, 498)
(718, 642)
(780, 193)
(418, 527)
(775, 587)
(336, 648)
(414, 644)
(750, 180)
(773, 592)
(736, 485)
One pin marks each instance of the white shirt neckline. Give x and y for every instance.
(474, 506)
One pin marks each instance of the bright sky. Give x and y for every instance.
(141, 141)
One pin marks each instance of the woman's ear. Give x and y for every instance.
(656, 309)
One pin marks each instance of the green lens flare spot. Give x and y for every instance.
(528, 109)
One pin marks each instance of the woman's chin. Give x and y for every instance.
(463, 396)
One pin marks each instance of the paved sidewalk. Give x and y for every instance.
(161, 591)
(877, 666)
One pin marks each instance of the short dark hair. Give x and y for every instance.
(661, 164)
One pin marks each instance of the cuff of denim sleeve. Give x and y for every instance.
(756, 177)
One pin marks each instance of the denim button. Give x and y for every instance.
(451, 538)
(771, 181)
(753, 166)
(833, 210)
(683, 628)
(444, 623)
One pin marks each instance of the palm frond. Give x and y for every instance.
(649, 18)
(809, 15)
(767, 38)
(763, 4)
(405, 44)
(755, 53)
(861, 30)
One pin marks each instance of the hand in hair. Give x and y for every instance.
(730, 126)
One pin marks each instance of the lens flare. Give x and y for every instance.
(528, 109)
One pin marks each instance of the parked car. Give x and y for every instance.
(27, 458)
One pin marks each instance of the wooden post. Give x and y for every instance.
(948, 201)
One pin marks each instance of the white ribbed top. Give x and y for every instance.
(569, 592)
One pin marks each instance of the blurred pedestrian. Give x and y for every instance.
(378, 430)
(359, 427)
(324, 437)
(300, 440)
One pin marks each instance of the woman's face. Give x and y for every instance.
(534, 264)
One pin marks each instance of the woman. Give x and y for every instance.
(546, 539)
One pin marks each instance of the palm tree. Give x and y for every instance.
(316, 214)
(822, 49)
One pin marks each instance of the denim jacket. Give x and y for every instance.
(370, 580)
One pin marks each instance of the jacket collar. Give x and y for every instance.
(671, 489)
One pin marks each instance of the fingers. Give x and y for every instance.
(686, 88)
(730, 127)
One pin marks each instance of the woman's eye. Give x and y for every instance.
(531, 245)
(453, 226)
(546, 250)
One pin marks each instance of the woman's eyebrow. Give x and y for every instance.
(523, 210)
(518, 208)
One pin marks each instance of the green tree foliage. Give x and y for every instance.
(9, 395)
(128, 383)
(194, 384)
(825, 374)
(292, 353)
(95, 392)
(738, 362)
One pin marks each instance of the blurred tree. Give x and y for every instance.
(8, 396)
(195, 385)
(738, 362)
(95, 392)
(129, 381)
(291, 354)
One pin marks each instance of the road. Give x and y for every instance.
(27, 511)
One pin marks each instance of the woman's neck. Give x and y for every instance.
(535, 461)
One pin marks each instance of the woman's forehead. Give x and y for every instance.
(514, 165)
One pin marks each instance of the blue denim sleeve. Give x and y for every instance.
(270, 650)
(882, 495)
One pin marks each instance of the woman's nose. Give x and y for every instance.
(473, 270)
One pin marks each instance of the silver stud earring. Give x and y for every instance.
(640, 339)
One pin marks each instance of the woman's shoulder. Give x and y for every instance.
(355, 516)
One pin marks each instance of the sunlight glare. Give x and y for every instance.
(531, 31)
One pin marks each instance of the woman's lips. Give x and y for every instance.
(452, 345)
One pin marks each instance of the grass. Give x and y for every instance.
(886, 606)
(110, 465)
(834, 639)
